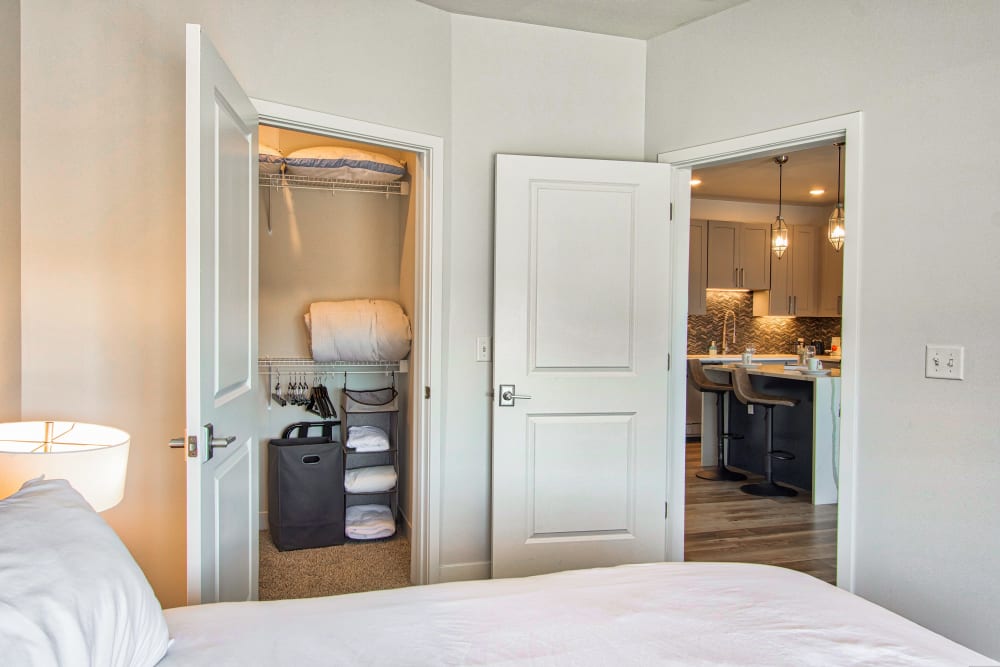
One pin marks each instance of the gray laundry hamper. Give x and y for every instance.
(305, 488)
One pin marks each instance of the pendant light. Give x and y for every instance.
(779, 230)
(835, 226)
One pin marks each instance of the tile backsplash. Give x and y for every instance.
(770, 335)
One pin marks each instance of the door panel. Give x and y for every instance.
(566, 219)
(581, 326)
(221, 136)
(755, 256)
(723, 250)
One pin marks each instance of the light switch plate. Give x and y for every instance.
(484, 348)
(945, 362)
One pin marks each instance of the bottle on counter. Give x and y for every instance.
(800, 350)
(712, 349)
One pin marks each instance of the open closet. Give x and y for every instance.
(337, 245)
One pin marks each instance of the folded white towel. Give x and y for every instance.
(367, 439)
(370, 479)
(358, 330)
(369, 522)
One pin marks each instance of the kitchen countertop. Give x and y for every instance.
(779, 371)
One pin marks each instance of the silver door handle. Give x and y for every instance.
(508, 395)
(223, 442)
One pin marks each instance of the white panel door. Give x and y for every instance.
(222, 482)
(581, 326)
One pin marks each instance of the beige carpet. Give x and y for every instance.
(348, 568)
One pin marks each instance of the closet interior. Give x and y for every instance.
(336, 302)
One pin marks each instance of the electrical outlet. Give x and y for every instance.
(945, 362)
(484, 348)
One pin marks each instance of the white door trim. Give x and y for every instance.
(794, 137)
(427, 357)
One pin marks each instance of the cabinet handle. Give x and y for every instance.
(795, 304)
(736, 277)
(789, 304)
(743, 278)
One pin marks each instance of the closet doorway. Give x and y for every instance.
(324, 241)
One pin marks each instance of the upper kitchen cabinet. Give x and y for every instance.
(738, 255)
(831, 280)
(697, 269)
(794, 277)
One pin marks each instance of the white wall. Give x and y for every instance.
(925, 75)
(10, 211)
(515, 89)
(729, 210)
(103, 198)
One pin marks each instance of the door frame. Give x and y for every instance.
(427, 358)
(793, 137)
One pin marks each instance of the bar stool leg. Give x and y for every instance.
(768, 487)
(721, 473)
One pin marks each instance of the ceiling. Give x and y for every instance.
(640, 19)
(757, 179)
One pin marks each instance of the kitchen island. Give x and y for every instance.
(810, 430)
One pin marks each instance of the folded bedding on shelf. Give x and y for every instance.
(358, 330)
(370, 479)
(369, 522)
(367, 439)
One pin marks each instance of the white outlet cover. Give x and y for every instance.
(944, 362)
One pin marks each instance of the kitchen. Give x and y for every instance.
(778, 292)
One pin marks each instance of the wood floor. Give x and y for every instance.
(724, 524)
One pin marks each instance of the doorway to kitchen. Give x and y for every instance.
(719, 523)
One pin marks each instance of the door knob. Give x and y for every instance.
(508, 395)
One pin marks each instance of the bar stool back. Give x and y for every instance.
(746, 394)
(700, 380)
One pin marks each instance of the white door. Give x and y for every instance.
(581, 326)
(222, 482)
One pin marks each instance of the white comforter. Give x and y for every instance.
(683, 614)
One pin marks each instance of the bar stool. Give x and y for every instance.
(749, 396)
(701, 382)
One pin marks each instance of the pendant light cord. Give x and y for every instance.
(781, 166)
(839, 200)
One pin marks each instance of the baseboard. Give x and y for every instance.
(464, 571)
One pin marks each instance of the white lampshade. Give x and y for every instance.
(91, 458)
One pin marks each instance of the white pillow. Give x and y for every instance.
(270, 159)
(348, 164)
(70, 592)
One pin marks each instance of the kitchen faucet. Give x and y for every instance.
(725, 322)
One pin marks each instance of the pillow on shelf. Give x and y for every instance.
(70, 592)
(270, 159)
(345, 164)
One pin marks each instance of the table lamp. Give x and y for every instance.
(91, 458)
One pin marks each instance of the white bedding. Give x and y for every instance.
(683, 614)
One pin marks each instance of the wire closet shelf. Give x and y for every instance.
(268, 365)
(278, 181)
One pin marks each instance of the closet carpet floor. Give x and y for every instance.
(347, 568)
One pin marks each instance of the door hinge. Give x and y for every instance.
(671, 210)
(666, 510)
(427, 392)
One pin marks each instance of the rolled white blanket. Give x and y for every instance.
(369, 522)
(371, 479)
(358, 330)
(367, 439)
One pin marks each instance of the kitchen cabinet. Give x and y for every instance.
(794, 277)
(831, 280)
(738, 255)
(697, 260)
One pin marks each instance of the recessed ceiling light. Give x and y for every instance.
(816, 192)
(695, 181)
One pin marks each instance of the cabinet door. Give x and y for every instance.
(778, 299)
(722, 254)
(803, 267)
(831, 279)
(755, 256)
(697, 261)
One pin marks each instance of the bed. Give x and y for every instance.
(646, 614)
